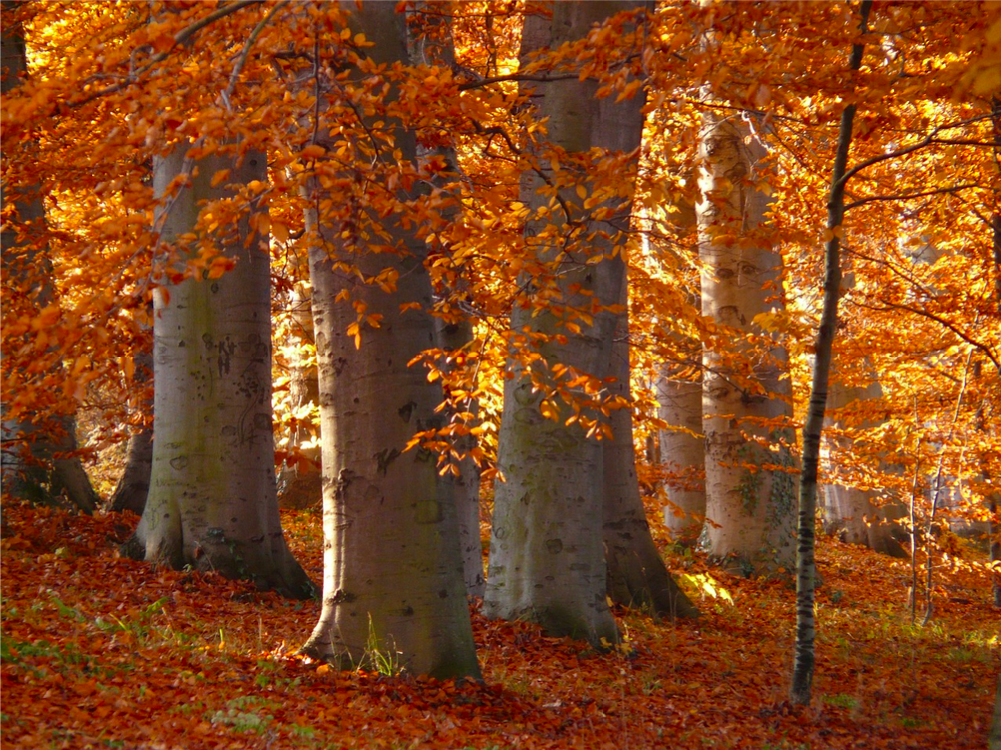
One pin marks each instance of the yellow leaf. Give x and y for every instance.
(581, 192)
(219, 176)
(279, 232)
(993, 34)
(312, 151)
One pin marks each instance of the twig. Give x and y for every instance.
(245, 53)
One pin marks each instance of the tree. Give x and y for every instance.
(546, 559)
(38, 450)
(636, 573)
(806, 574)
(393, 579)
(212, 502)
(750, 489)
(133, 486)
(854, 515)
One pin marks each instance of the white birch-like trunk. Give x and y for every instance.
(212, 500)
(393, 590)
(751, 510)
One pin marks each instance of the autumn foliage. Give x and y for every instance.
(102, 651)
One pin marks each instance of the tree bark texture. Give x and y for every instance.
(636, 574)
(547, 561)
(464, 487)
(133, 486)
(750, 508)
(212, 501)
(393, 590)
(682, 455)
(36, 461)
(453, 329)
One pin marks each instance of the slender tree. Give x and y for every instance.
(806, 572)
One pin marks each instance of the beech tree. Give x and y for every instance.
(750, 490)
(212, 502)
(393, 583)
(37, 452)
(546, 558)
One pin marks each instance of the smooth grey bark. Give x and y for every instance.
(636, 574)
(393, 589)
(453, 328)
(682, 454)
(465, 486)
(547, 561)
(212, 501)
(750, 508)
(682, 444)
(852, 514)
(133, 486)
(994, 741)
(806, 567)
(36, 461)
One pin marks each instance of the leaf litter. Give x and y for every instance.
(99, 651)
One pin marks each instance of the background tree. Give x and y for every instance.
(749, 488)
(38, 451)
(212, 502)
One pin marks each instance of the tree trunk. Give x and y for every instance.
(636, 574)
(682, 456)
(299, 484)
(465, 486)
(994, 742)
(36, 461)
(546, 551)
(212, 502)
(750, 508)
(454, 331)
(806, 567)
(133, 486)
(393, 590)
(850, 513)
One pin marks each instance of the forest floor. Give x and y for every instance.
(104, 652)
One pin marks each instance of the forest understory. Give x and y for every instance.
(99, 651)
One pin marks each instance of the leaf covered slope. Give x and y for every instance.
(100, 651)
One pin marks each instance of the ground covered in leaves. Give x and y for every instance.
(104, 652)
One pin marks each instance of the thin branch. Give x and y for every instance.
(952, 327)
(938, 487)
(928, 140)
(179, 38)
(910, 196)
(245, 53)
